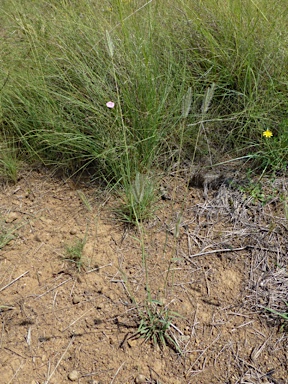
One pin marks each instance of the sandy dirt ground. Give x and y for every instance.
(215, 260)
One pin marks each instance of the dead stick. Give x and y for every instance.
(52, 289)
(13, 281)
(59, 361)
(219, 251)
(75, 321)
(118, 370)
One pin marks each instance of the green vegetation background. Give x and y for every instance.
(62, 61)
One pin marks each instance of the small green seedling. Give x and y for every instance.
(155, 324)
(283, 316)
(6, 234)
(75, 254)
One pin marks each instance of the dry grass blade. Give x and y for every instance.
(59, 361)
(13, 281)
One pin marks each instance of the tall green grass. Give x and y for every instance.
(58, 74)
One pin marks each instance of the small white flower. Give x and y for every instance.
(110, 104)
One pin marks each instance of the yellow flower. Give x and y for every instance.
(267, 133)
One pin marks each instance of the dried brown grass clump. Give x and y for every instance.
(271, 296)
(261, 229)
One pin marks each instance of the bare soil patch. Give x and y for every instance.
(211, 257)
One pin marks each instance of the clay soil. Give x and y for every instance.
(208, 260)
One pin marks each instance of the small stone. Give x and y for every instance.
(207, 180)
(76, 299)
(73, 375)
(73, 231)
(12, 216)
(37, 238)
(140, 379)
